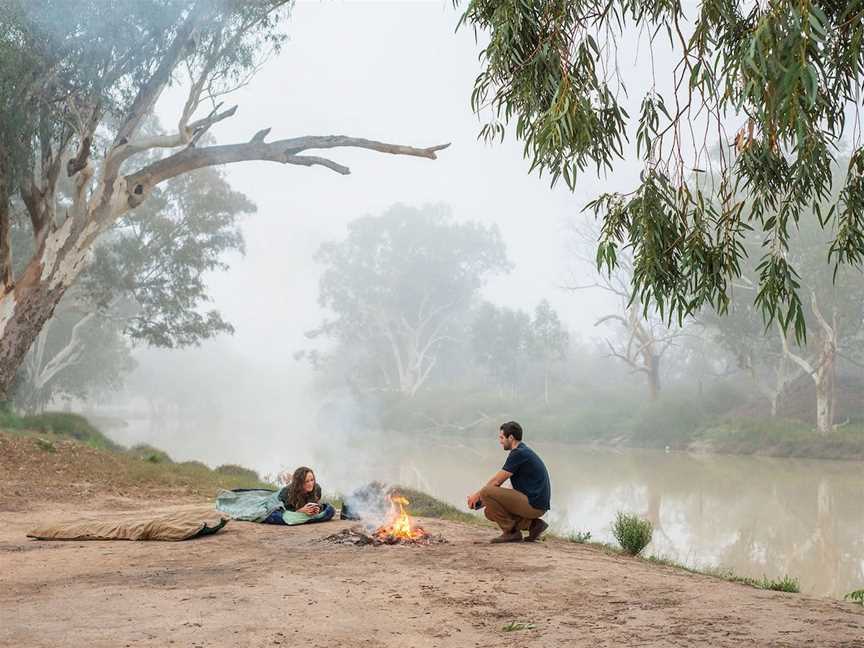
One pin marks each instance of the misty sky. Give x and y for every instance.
(389, 71)
(394, 72)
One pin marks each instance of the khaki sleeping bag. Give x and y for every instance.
(175, 525)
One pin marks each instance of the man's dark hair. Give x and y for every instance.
(512, 429)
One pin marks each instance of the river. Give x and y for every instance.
(757, 516)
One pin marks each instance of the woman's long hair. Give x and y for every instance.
(297, 496)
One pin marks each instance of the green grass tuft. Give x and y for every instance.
(578, 537)
(857, 595)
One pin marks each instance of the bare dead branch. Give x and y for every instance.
(282, 151)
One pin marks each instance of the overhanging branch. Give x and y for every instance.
(282, 151)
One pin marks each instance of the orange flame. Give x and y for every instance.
(400, 526)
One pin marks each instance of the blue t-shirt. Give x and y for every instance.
(529, 476)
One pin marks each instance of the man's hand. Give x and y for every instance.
(473, 499)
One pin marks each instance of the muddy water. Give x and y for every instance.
(756, 516)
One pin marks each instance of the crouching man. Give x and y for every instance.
(519, 508)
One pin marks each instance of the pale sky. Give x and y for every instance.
(395, 72)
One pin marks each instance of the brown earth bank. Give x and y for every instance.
(261, 585)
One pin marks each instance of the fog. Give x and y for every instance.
(390, 71)
(315, 375)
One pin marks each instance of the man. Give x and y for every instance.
(521, 507)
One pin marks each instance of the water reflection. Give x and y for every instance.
(756, 516)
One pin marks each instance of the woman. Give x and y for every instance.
(302, 495)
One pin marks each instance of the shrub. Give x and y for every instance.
(149, 453)
(46, 445)
(632, 533)
(238, 471)
(579, 537)
(61, 424)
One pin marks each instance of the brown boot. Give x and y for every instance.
(536, 529)
(513, 536)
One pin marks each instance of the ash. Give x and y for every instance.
(360, 537)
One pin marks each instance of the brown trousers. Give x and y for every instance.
(508, 508)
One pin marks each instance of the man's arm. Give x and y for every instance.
(497, 479)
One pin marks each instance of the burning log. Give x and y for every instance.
(399, 529)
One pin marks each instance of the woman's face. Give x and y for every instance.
(309, 482)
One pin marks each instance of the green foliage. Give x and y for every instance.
(857, 595)
(578, 537)
(157, 256)
(785, 584)
(62, 424)
(46, 445)
(148, 453)
(789, 71)
(237, 471)
(632, 533)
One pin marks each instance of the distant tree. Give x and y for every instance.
(397, 284)
(549, 339)
(835, 315)
(503, 341)
(644, 337)
(759, 353)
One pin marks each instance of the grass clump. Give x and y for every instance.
(632, 533)
(46, 445)
(518, 625)
(857, 596)
(146, 452)
(578, 537)
(238, 471)
(785, 584)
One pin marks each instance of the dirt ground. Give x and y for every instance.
(260, 585)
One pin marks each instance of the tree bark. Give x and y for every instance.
(26, 308)
(5, 231)
(822, 368)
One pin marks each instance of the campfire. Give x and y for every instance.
(400, 526)
(399, 529)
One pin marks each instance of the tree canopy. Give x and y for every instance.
(79, 80)
(398, 283)
(763, 98)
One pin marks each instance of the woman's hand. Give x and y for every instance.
(310, 509)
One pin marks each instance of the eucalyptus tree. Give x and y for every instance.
(78, 79)
(774, 87)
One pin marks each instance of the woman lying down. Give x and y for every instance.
(297, 503)
(301, 496)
